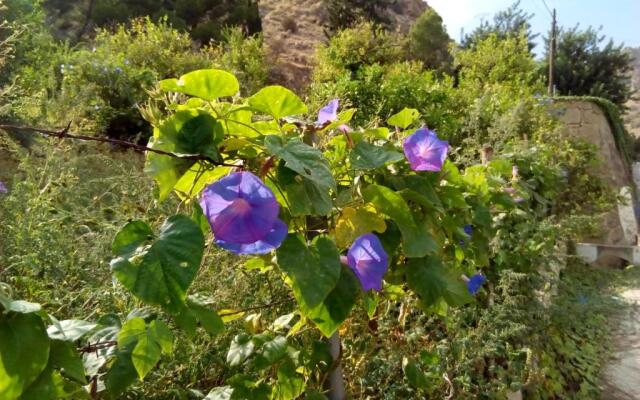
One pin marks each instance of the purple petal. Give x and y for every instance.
(468, 229)
(475, 283)
(345, 128)
(328, 113)
(425, 151)
(240, 208)
(368, 260)
(269, 243)
(3, 188)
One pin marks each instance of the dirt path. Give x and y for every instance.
(621, 377)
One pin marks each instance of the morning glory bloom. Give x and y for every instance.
(243, 214)
(270, 242)
(468, 229)
(3, 188)
(118, 70)
(475, 283)
(425, 151)
(328, 113)
(368, 260)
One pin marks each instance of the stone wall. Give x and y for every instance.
(587, 120)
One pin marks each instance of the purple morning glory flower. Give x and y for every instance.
(243, 214)
(328, 113)
(3, 188)
(425, 151)
(468, 229)
(368, 260)
(475, 283)
(270, 242)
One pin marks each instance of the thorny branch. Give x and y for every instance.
(91, 348)
(64, 134)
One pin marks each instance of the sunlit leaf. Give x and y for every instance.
(159, 269)
(278, 102)
(208, 84)
(404, 118)
(354, 222)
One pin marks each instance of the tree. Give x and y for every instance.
(584, 67)
(205, 20)
(429, 41)
(506, 23)
(346, 13)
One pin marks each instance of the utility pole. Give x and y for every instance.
(552, 54)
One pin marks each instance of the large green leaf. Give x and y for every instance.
(414, 374)
(404, 118)
(187, 132)
(208, 84)
(428, 278)
(314, 270)
(335, 308)
(65, 358)
(69, 329)
(290, 383)
(368, 156)
(24, 352)
(146, 355)
(199, 307)
(122, 372)
(19, 306)
(51, 385)
(159, 269)
(302, 158)
(415, 237)
(242, 347)
(278, 102)
(307, 198)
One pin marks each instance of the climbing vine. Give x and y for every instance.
(348, 216)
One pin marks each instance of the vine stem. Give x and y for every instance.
(64, 134)
(336, 381)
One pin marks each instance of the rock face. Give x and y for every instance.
(293, 28)
(586, 120)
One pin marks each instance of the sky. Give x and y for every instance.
(620, 19)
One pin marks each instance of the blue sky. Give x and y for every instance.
(620, 19)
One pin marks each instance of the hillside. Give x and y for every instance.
(293, 28)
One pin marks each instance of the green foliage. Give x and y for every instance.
(351, 49)
(204, 20)
(509, 23)
(100, 87)
(429, 42)
(159, 269)
(346, 180)
(586, 67)
(346, 13)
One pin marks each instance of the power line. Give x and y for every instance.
(547, 7)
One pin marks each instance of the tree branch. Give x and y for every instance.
(64, 134)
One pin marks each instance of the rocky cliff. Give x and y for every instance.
(293, 28)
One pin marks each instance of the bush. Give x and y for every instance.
(99, 88)
(429, 42)
(353, 48)
(204, 20)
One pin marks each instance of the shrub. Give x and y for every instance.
(99, 87)
(429, 42)
(353, 48)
